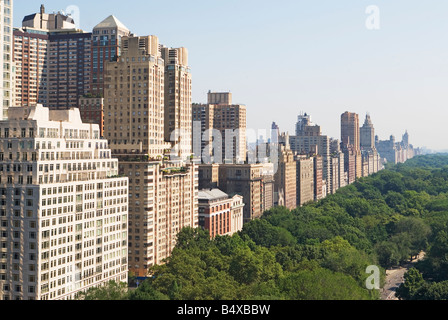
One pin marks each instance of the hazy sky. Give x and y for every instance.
(317, 56)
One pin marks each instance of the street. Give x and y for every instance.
(395, 277)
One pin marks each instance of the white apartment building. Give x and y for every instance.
(63, 208)
(6, 61)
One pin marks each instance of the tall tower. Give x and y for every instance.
(178, 100)
(350, 130)
(6, 59)
(309, 140)
(350, 136)
(134, 111)
(106, 46)
(164, 188)
(367, 134)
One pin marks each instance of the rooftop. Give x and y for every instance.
(111, 22)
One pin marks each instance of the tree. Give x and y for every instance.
(147, 292)
(265, 234)
(108, 292)
(413, 281)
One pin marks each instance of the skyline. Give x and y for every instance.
(316, 58)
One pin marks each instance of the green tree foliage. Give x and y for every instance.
(110, 291)
(413, 280)
(320, 250)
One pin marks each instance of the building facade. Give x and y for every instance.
(64, 211)
(222, 136)
(69, 66)
(92, 110)
(350, 138)
(305, 180)
(134, 99)
(220, 214)
(31, 65)
(285, 176)
(106, 46)
(178, 101)
(163, 189)
(6, 56)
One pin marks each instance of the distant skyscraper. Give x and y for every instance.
(350, 137)
(370, 156)
(227, 119)
(63, 208)
(304, 179)
(309, 140)
(285, 175)
(48, 21)
(6, 56)
(350, 130)
(367, 134)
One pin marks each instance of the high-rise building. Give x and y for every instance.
(69, 65)
(49, 52)
(163, 199)
(268, 185)
(222, 128)
(134, 110)
(285, 175)
(305, 179)
(163, 190)
(178, 100)
(368, 149)
(6, 57)
(319, 187)
(48, 21)
(31, 64)
(338, 175)
(247, 181)
(367, 134)
(350, 130)
(309, 140)
(350, 137)
(63, 209)
(106, 46)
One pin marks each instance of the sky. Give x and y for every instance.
(286, 57)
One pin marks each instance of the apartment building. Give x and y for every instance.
(134, 114)
(285, 176)
(69, 65)
(305, 179)
(178, 101)
(223, 130)
(92, 110)
(220, 214)
(6, 57)
(163, 189)
(163, 199)
(106, 46)
(63, 209)
(31, 65)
